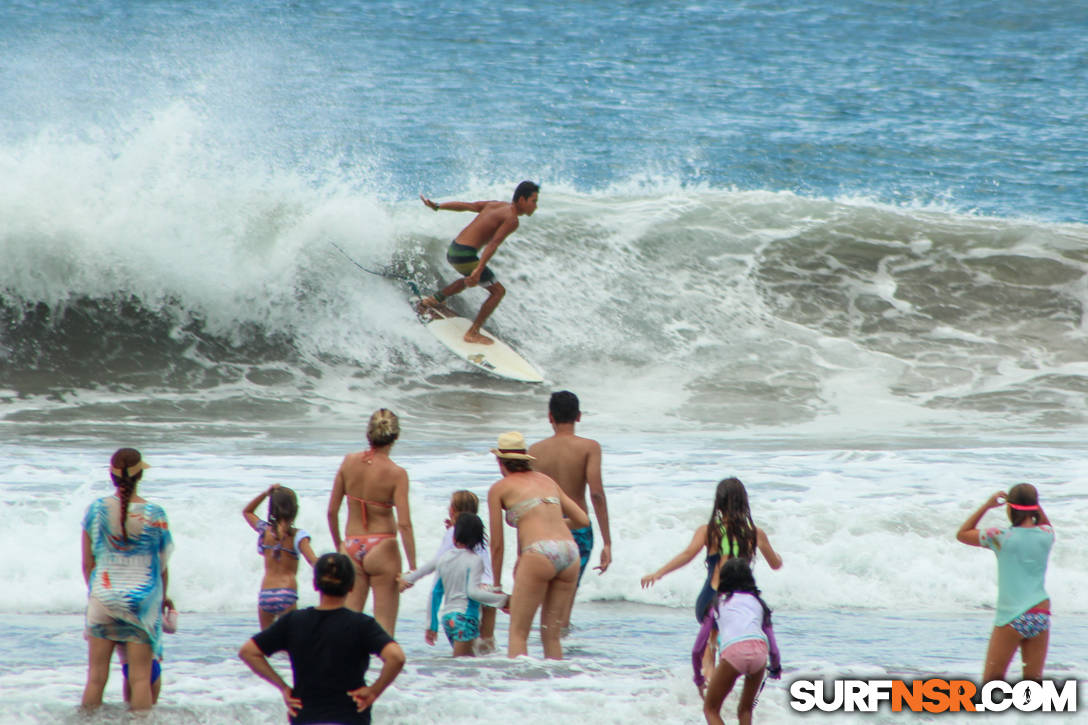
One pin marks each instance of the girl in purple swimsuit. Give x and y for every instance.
(279, 543)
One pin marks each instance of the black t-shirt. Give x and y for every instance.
(330, 651)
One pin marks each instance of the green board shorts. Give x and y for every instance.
(465, 259)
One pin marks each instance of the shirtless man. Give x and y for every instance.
(575, 463)
(494, 222)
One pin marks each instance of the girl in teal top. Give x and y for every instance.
(1023, 606)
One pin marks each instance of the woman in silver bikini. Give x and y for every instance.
(546, 571)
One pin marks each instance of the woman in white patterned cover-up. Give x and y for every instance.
(124, 565)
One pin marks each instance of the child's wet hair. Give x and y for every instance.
(735, 575)
(731, 521)
(464, 502)
(468, 531)
(282, 510)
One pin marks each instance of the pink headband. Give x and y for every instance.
(1019, 507)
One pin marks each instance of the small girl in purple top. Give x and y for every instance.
(746, 642)
(1022, 619)
(279, 543)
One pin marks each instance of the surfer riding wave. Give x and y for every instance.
(476, 245)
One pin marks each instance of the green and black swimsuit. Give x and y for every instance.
(465, 259)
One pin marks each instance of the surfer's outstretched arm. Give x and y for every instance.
(476, 206)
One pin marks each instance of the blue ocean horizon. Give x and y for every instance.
(979, 105)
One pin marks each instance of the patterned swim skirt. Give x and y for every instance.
(1031, 624)
(460, 627)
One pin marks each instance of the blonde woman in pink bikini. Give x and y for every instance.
(377, 494)
(548, 562)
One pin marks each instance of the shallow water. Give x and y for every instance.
(624, 661)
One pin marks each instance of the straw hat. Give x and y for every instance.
(512, 446)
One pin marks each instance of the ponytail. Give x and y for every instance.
(383, 429)
(282, 510)
(731, 528)
(125, 488)
(126, 470)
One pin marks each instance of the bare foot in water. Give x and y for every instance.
(477, 338)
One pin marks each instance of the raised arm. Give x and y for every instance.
(404, 517)
(600, 504)
(764, 545)
(494, 518)
(476, 206)
(250, 511)
(968, 532)
(698, 541)
(335, 499)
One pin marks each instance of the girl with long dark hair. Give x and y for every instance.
(729, 533)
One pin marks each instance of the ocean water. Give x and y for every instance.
(835, 249)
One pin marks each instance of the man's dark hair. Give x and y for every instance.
(563, 407)
(334, 575)
(525, 190)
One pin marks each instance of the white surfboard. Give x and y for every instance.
(498, 358)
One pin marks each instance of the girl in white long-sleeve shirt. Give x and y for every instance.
(462, 501)
(461, 571)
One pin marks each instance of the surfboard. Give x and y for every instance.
(498, 358)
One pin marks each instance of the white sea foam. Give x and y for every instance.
(723, 305)
(867, 530)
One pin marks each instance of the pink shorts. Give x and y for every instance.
(747, 657)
